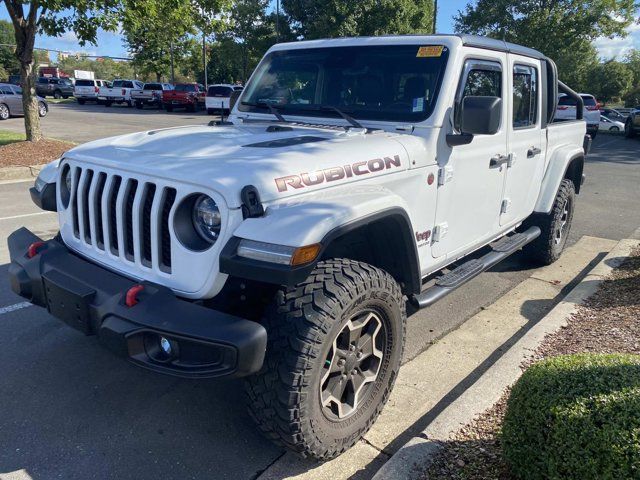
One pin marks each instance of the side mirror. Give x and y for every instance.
(478, 116)
(234, 98)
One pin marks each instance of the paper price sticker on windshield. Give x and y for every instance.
(430, 51)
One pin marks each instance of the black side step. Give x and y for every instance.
(446, 284)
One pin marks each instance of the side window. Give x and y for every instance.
(480, 78)
(525, 96)
(6, 91)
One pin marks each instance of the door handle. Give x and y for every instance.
(533, 151)
(498, 160)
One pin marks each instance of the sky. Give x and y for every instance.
(110, 43)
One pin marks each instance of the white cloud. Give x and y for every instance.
(617, 47)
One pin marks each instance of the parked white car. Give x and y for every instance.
(86, 90)
(566, 110)
(282, 245)
(611, 126)
(119, 92)
(219, 97)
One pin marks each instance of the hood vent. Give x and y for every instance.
(287, 142)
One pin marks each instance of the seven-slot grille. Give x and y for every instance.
(124, 216)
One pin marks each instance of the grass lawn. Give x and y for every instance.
(7, 137)
(61, 100)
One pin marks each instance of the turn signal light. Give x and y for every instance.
(306, 254)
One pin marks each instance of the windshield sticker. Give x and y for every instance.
(430, 51)
(337, 173)
(418, 104)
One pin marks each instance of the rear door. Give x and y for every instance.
(13, 100)
(468, 207)
(526, 147)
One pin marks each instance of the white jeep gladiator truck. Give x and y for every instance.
(286, 244)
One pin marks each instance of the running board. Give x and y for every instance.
(447, 283)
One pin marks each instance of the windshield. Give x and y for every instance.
(388, 83)
(152, 86)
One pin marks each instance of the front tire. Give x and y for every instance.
(4, 112)
(334, 351)
(57, 95)
(42, 109)
(555, 226)
(614, 130)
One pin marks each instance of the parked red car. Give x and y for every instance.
(185, 95)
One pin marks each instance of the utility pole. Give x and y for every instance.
(435, 14)
(204, 59)
(173, 76)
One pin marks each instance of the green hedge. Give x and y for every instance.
(575, 417)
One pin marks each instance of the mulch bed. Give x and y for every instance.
(609, 322)
(32, 153)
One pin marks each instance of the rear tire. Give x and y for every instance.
(107, 103)
(4, 112)
(57, 94)
(555, 226)
(81, 101)
(614, 130)
(333, 354)
(139, 105)
(210, 111)
(169, 108)
(42, 109)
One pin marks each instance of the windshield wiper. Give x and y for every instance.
(271, 108)
(348, 118)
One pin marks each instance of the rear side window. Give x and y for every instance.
(152, 86)
(127, 84)
(6, 90)
(117, 83)
(525, 96)
(185, 88)
(589, 101)
(85, 83)
(219, 91)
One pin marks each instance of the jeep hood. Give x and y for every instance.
(280, 161)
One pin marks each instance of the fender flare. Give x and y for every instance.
(559, 164)
(286, 275)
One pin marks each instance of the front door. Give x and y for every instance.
(527, 144)
(472, 176)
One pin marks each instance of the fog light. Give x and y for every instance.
(165, 345)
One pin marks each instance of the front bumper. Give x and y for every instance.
(203, 342)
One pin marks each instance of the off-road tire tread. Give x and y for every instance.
(297, 324)
(542, 248)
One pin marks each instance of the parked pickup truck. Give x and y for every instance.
(184, 95)
(87, 90)
(150, 94)
(118, 92)
(632, 124)
(281, 245)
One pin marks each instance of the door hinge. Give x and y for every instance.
(506, 204)
(440, 231)
(445, 174)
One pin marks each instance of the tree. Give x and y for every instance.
(632, 60)
(611, 80)
(561, 29)
(53, 17)
(334, 18)
(632, 98)
(8, 59)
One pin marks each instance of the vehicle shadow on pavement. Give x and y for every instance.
(626, 152)
(533, 311)
(70, 409)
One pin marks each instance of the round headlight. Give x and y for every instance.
(206, 218)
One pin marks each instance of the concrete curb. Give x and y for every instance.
(487, 390)
(19, 173)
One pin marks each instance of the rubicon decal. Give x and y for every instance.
(337, 173)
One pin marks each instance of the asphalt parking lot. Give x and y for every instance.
(71, 410)
(83, 123)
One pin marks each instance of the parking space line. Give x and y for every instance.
(14, 307)
(25, 215)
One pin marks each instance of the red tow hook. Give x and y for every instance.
(131, 298)
(33, 249)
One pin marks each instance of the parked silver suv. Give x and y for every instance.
(11, 102)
